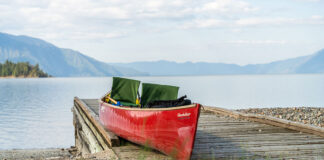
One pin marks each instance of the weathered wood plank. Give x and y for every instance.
(226, 134)
(258, 144)
(215, 129)
(270, 120)
(135, 152)
(259, 150)
(259, 141)
(131, 151)
(86, 134)
(221, 135)
(101, 140)
(111, 138)
(234, 128)
(80, 144)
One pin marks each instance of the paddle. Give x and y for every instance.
(113, 101)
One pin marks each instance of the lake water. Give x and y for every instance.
(36, 113)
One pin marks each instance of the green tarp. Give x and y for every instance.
(153, 92)
(124, 90)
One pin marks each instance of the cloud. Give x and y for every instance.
(263, 21)
(73, 19)
(308, 0)
(204, 23)
(111, 19)
(252, 22)
(98, 35)
(315, 19)
(258, 42)
(227, 6)
(101, 19)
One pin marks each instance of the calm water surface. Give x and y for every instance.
(36, 113)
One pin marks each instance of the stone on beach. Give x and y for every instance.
(307, 115)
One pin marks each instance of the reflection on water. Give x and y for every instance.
(36, 113)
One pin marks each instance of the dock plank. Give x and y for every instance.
(93, 116)
(223, 137)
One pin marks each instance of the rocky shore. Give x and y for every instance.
(53, 154)
(36, 154)
(307, 115)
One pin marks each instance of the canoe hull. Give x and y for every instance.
(169, 130)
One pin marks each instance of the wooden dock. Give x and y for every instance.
(221, 134)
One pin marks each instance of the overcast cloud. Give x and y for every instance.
(230, 31)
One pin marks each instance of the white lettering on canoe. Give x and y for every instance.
(184, 114)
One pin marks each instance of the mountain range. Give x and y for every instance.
(306, 64)
(62, 62)
(56, 61)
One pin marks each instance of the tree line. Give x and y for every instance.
(21, 69)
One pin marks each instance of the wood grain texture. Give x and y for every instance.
(95, 132)
(109, 137)
(87, 135)
(270, 120)
(223, 134)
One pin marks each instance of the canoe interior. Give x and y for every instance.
(146, 109)
(222, 137)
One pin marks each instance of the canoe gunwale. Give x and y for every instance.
(147, 109)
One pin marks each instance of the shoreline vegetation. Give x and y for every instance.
(21, 70)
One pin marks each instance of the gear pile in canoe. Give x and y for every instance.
(157, 119)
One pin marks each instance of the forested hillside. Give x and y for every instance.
(21, 69)
(58, 62)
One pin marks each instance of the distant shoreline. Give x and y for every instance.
(19, 77)
(20, 70)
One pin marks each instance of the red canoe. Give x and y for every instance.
(169, 130)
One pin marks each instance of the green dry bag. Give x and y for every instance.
(155, 92)
(124, 89)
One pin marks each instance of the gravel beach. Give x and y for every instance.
(35, 154)
(54, 154)
(307, 115)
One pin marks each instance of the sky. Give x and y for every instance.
(228, 31)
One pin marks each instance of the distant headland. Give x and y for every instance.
(21, 70)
